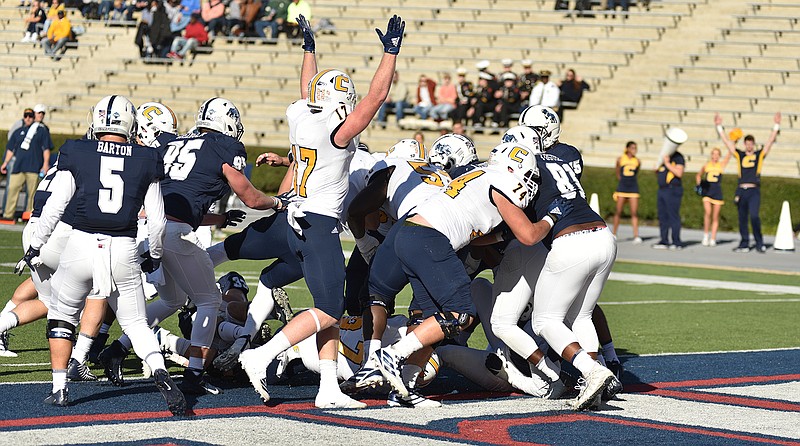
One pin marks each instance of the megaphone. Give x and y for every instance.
(673, 138)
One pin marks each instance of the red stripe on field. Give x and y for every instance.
(728, 399)
(650, 387)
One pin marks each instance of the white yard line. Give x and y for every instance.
(704, 283)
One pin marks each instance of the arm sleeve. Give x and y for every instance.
(63, 186)
(156, 220)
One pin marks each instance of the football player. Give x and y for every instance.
(200, 168)
(110, 180)
(453, 153)
(323, 129)
(426, 243)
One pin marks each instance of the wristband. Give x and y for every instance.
(720, 130)
(549, 220)
(776, 128)
(276, 201)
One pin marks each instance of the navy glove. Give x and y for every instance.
(31, 258)
(308, 35)
(284, 199)
(394, 35)
(559, 208)
(233, 218)
(150, 264)
(698, 190)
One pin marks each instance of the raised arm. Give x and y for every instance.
(772, 136)
(360, 118)
(721, 131)
(244, 189)
(309, 58)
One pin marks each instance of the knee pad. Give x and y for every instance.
(57, 329)
(451, 326)
(415, 317)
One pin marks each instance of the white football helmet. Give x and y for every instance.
(332, 87)
(451, 150)
(153, 119)
(544, 121)
(407, 148)
(220, 115)
(524, 135)
(114, 114)
(518, 160)
(430, 371)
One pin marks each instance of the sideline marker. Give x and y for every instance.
(594, 203)
(784, 238)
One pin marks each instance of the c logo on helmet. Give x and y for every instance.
(150, 111)
(518, 154)
(339, 83)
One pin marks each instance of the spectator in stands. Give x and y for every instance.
(273, 18)
(483, 67)
(34, 23)
(420, 138)
(526, 82)
(181, 13)
(627, 171)
(670, 193)
(484, 100)
(135, 6)
(251, 11)
(57, 37)
(193, 36)
(30, 147)
(748, 193)
(295, 8)
(572, 88)
(159, 35)
(508, 64)
(545, 92)
(233, 20)
(105, 8)
(708, 183)
(508, 99)
(458, 129)
(52, 14)
(426, 96)
(397, 101)
(446, 97)
(213, 14)
(611, 5)
(466, 96)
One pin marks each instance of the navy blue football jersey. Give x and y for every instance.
(43, 192)
(193, 169)
(233, 280)
(111, 181)
(560, 170)
(457, 171)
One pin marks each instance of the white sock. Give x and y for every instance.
(59, 379)
(8, 321)
(155, 361)
(10, 305)
(82, 346)
(217, 253)
(583, 362)
(609, 353)
(410, 373)
(259, 310)
(371, 346)
(546, 366)
(407, 345)
(327, 376)
(271, 349)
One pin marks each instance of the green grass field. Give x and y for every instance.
(644, 318)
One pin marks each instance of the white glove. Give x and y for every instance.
(367, 245)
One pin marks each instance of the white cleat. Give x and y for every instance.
(390, 366)
(592, 387)
(255, 372)
(337, 400)
(414, 399)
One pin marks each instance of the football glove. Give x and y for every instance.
(233, 218)
(367, 246)
(150, 264)
(698, 190)
(559, 208)
(31, 258)
(308, 35)
(284, 199)
(394, 35)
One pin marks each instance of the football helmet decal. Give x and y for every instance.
(114, 114)
(518, 160)
(153, 119)
(544, 121)
(451, 150)
(407, 148)
(332, 87)
(524, 135)
(220, 115)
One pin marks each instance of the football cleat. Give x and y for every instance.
(77, 371)
(4, 351)
(592, 387)
(227, 360)
(262, 336)
(283, 311)
(98, 345)
(617, 369)
(367, 376)
(111, 358)
(414, 399)
(176, 402)
(337, 400)
(256, 373)
(59, 398)
(195, 383)
(391, 366)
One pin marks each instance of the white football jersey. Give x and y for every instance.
(411, 183)
(360, 166)
(321, 170)
(464, 210)
(351, 337)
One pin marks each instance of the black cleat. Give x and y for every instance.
(77, 371)
(617, 369)
(111, 358)
(283, 311)
(59, 398)
(171, 393)
(98, 345)
(195, 383)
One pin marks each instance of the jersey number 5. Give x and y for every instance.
(109, 198)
